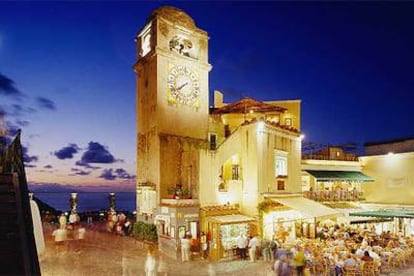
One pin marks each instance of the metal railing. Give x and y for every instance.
(334, 195)
(326, 157)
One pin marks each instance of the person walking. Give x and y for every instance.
(241, 246)
(203, 243)
(277, 266)
(273, 245)
(185, 248)
(299, 260)
(266, 250)
(252, 248)
(285, 267)
(281, 267)
(150, 265)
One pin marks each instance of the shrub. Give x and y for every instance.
(145, 231)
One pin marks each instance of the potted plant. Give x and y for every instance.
(171, 191)
(185, 193)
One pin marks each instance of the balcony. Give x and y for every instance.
(347, 157)
(179, 202)
(334, 196)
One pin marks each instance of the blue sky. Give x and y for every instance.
(67, 80)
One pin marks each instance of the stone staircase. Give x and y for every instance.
(17, 247)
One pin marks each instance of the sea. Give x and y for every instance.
(88, 201)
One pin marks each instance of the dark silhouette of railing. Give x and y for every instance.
(15, 196)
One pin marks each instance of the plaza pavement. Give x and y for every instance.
(102, 253)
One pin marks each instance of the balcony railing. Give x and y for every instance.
(326, 157)
(334, 195)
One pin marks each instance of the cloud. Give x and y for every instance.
(80, 163)
(121, 173)
(111, 174)
(79, 172)
(27, 158)
(107, 174)
(67, 152)
(22, 123)
(45, 103)
(7, 87)
(48, 167)
(96, 153)
(18, 110)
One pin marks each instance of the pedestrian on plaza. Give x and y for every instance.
(277, 266)
(281, 266)
(89, 218)
(203, 243)
(241, 242)
(252, 248)
(210, 270)
(299, 260)
(185, 248)
(273, 245)
(367, 257)
(150, 265)
(62, 221)
(162, 266)
(266, 250)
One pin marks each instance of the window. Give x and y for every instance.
(235, 169)
(148, 201)
(146, 43)
(213, 141)
(280, 185)
(281, 163)
(227, 131)
(288, 121)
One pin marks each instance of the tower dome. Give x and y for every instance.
(174, 15)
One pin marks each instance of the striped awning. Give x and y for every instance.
(309, 207)
(324, 176)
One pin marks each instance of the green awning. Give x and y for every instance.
(385, 214)
(370, 220)
(340, 176)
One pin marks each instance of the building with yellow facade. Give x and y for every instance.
(227, 169)
(391, 164)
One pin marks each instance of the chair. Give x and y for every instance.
(350, 270)
(385, 265)
(60, 235)
(394, 260)
(368, 269)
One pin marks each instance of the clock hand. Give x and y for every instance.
(179, 88)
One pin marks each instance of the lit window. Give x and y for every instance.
(235, 172)
(148, 201)
(288, 121)
(146, 44)
(281, 164)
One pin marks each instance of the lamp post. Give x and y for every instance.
(111, 198)
(73, 217)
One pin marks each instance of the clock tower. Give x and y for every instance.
(172, 105)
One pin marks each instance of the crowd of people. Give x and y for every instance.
(338, 250)
(119, 224)
(341, 251)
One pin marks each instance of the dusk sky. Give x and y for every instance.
(66, 75)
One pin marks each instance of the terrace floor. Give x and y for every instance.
(102, 253)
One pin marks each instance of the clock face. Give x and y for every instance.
(183, 85)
